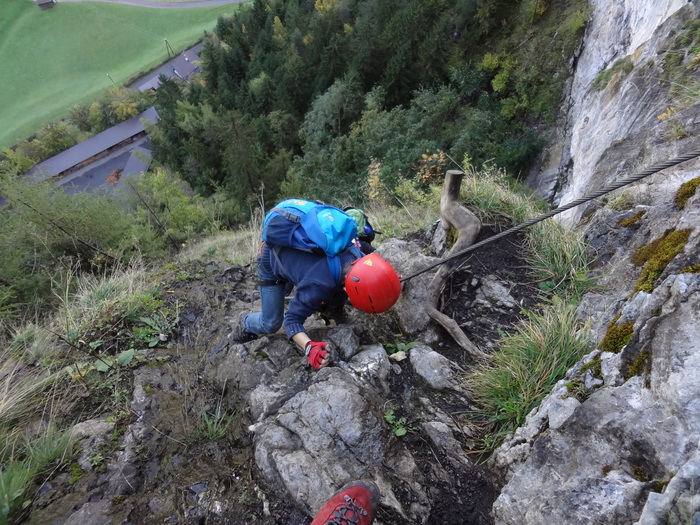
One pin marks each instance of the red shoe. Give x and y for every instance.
(354, 504)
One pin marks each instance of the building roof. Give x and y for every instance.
(182, 66)
(93, 146)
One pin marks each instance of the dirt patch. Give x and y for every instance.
(502, 260)
(114, 177)
(466, 493)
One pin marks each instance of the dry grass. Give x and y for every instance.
(21, 391)
(85, 297)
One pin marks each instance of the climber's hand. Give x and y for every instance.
(316, 354)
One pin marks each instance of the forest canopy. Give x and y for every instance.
(343, 99)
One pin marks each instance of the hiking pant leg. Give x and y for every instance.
(270, 318)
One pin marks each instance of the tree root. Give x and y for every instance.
(454, 215)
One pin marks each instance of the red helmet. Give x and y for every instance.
(372, 284)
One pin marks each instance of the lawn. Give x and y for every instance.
(56, 58)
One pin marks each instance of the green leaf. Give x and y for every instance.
(389, 417)
(125, 357)
(102, 365)
(547, 286)
(400, 431)
(148, 321)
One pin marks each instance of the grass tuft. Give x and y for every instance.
(21, 393)
(559, 259)
(525, 368)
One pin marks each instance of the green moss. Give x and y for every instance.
(116, 500)
(685, 192)
(691, 269)
(640, 365)
(595, 367)
(639, 474)
(627, 223)
(656, 255)
(451, 237)
(76, 472)
(623, 65)
(616, 337)
(659, 485)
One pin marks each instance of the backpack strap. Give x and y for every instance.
(287, 214)
(274, 249)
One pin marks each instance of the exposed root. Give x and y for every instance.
(453, 215)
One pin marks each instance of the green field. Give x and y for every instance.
(56, 58)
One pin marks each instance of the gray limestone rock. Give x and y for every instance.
(327, 435)
(590, 463)
(434, 368)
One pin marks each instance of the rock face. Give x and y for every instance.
(615, 131)
(603, 460)
(617, 440)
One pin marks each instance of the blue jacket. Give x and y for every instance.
(310, 275)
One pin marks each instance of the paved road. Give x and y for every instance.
(163, 5)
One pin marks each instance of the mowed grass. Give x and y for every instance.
(56, 58)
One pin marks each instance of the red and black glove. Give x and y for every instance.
(315, 353)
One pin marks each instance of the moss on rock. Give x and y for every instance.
(632, 221)
(685, 192)
(656, 255)
(617, 336)
(640, 365)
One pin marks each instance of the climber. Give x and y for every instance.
(368, 281)
(355, 503)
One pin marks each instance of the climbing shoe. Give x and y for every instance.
(239, 333)
(354, 504)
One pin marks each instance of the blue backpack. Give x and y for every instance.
(310, 226)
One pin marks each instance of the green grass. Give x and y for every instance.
(56, 58)
(526, 367)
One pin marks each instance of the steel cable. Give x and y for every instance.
(606, 189)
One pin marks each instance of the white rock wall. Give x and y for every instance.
(599, 118)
